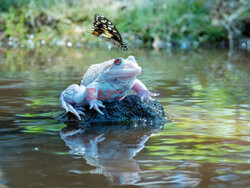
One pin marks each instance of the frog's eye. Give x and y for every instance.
(118, 61)
(132, 58)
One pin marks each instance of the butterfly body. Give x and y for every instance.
(104, 29)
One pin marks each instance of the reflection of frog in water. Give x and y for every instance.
(111, 148)
(110, 80)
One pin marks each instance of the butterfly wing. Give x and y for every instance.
(106, 30)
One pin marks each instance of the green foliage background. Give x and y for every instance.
(197, 22)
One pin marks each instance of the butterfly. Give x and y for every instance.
(104, 29)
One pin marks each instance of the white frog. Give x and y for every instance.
(107, 81)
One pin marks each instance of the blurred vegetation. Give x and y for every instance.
(157, 23)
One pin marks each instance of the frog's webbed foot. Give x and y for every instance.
(145, 94)
(69, 108)
(71, 99)
(142, 91)
(80, 111)
(80, 108)
(96, 104)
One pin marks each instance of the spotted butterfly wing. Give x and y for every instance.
(104, 29)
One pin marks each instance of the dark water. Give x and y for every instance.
(205, 93)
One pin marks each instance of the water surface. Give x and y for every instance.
(205, 94)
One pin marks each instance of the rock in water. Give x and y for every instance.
(131, 108)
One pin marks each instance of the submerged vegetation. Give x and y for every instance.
(159, 23)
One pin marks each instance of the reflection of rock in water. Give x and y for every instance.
(111, 148)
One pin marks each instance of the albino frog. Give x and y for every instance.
(107, 81)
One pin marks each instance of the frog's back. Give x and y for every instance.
(93, 72)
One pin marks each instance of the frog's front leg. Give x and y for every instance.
(96, 104)
(71, 97)
(142, 91)
(92, 97)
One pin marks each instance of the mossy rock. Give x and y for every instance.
(130, 109)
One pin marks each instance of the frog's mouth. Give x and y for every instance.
(126, 72)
